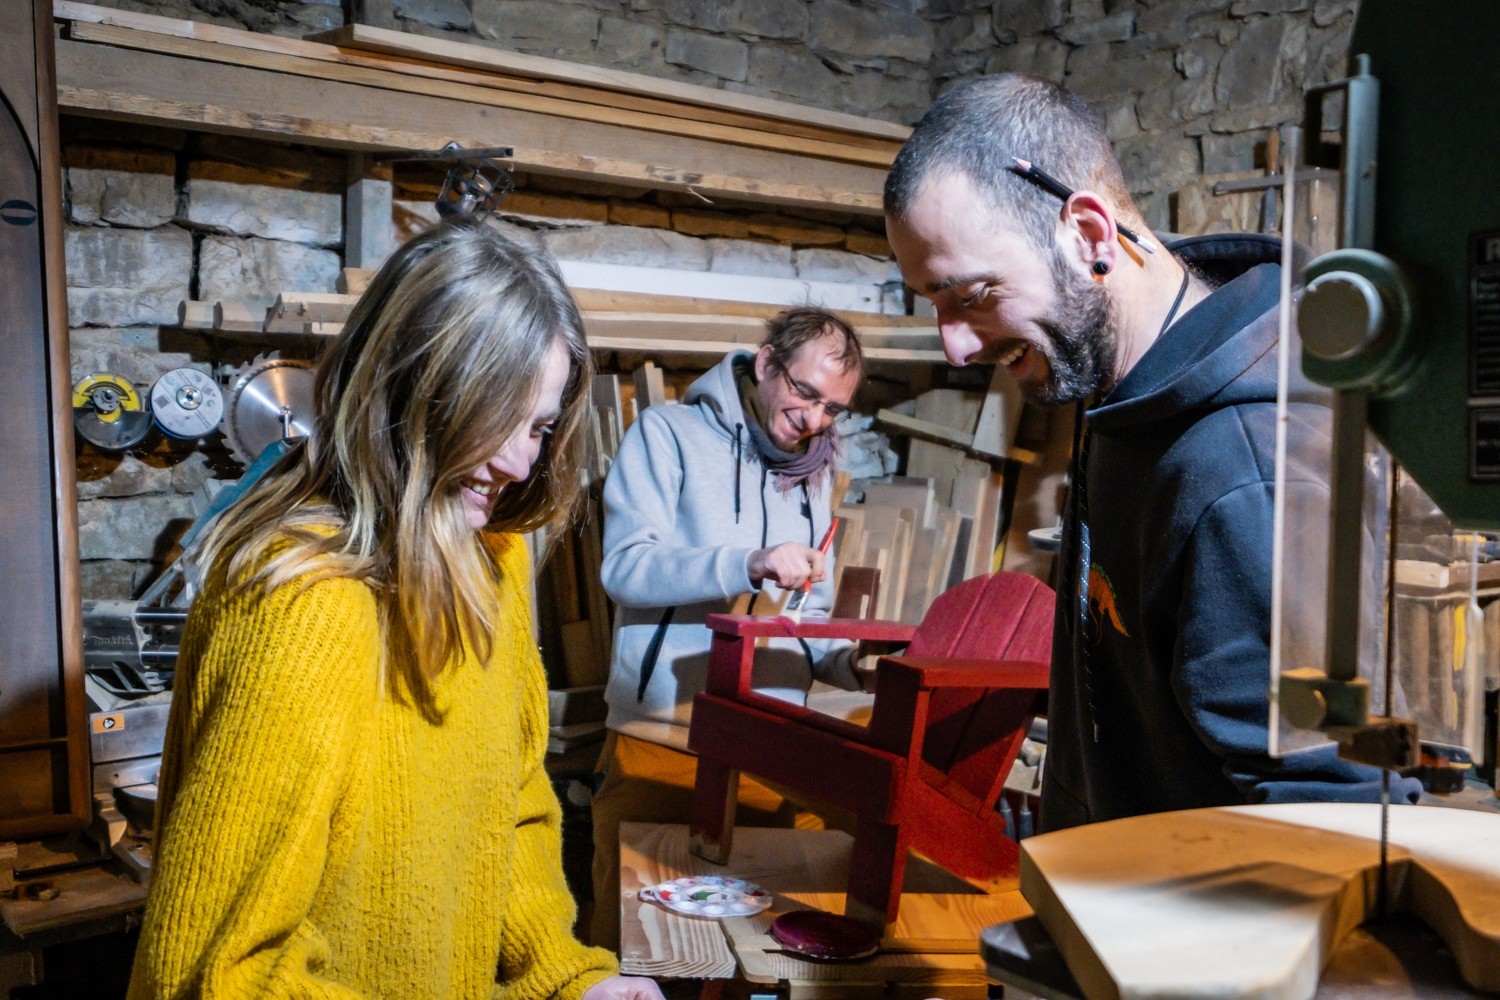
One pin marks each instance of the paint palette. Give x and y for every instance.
(712, 896)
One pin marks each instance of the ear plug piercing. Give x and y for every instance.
(1101, 268)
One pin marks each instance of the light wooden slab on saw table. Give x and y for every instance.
(934, 941)
(1249, 901)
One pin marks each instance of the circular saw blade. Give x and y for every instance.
(269, 400)
(109, 413)
(187, 403)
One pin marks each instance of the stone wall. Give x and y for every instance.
(865, 57)
(154, 217)
(1188, 87)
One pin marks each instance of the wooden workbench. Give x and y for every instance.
(934, 943)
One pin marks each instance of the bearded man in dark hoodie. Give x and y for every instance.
(1161, 657)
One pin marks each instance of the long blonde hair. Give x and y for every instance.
(439, 364)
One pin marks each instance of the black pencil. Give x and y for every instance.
(1036, 175)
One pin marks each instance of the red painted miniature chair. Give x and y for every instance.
(948, 721)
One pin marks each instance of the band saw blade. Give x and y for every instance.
(270, 400)
(109, 413)
(187, 403)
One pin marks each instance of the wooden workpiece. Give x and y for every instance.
(932, 945)
(1250, 901)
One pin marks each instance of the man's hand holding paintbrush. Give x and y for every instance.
(789, 565)
(793, 609)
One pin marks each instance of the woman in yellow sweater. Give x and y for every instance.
(352, 795)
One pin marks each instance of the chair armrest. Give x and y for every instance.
(905, 685)
(779, 626)
(941, 672)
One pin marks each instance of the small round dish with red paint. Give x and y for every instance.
(712, 896)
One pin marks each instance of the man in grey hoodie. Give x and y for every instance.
(712, 506)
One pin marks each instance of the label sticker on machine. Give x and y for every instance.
(111, 723)
(1484, 357)
(711, 896)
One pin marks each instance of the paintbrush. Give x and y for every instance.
(793, 609)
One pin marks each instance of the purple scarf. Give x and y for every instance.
(804, 468)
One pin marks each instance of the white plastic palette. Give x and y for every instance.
(710, 896)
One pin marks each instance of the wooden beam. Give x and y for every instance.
(309, 65)
(369, 230)
(70, 11)
(925, 429)
(360, 36)
(153, 88)
(597, 300)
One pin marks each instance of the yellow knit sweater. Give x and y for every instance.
(316, 838)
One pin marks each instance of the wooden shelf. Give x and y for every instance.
(595, 124)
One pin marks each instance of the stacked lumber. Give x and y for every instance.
(368, 89)
(938, 525)
(614, 321)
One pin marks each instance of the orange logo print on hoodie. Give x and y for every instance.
(1102, 601)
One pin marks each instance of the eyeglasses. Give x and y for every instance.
(807, 394)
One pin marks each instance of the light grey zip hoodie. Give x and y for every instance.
(686, 502)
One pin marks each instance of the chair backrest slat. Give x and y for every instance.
(1004, 616)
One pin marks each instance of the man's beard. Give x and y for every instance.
(1081, 338)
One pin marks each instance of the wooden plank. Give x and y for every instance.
(154, 88)
(313, 307)
(987, 524)
(193, 314)
(580, 656)
(650, 387)
(369, 230)
(600, 300)
(858, 591)
(1152, 907)
(359, 36)
(907, 492)
(230, 52)
(932, 941)
(44, 770)
(87, 894)
(921, 428)
(236, 317)
(995, 430)
(863, 297)
(956, 409)
(69, 11)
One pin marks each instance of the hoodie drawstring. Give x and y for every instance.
(739, 450)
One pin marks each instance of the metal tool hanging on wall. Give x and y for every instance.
(270, 400)
(476, 180)
(109, 413)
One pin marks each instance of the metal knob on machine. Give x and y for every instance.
(1355, 321)
(1341, 316)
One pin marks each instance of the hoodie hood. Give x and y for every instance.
(1220, 353)
(717, 395)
